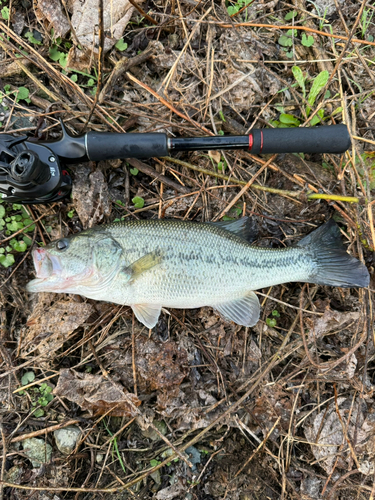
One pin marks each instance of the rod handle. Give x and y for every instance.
(110, 146)
(323, 139)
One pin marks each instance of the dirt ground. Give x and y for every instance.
(198, 408)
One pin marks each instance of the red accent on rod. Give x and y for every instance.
(261, 142)
(251, 140)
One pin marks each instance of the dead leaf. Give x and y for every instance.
(329, 322)
(176, 490)
(13, 68)
(116, 16)
(166, 60)
(159, 365)
(90, 198)
(325, 433)
(273, 403)
(96, 394)
(215, 155)
(51, 15)
(52, 321)
(79, 59)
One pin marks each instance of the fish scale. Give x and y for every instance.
(181, 264)
(208, 277)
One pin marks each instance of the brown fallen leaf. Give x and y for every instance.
(52, 321)
(331, 321)
(96, 394)
(90, 196)
(50, 14)
(116, 16)
(159, 365)
(326, 436)
(274, 402)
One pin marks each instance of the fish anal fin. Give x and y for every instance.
(147, 314)
(146, 262)
(244, 310)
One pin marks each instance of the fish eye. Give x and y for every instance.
(62, 244)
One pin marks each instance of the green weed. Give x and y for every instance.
(287, 120)
(138, 202)
(22, 93)
(240, 4)
(13, 218)
(5, 13)
(234, 212)
(40, 396)
(121, 45)
(115, 447)
(272, 322)
(366, 19)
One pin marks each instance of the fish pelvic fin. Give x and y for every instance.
(148, 261)
(244, 311)
(147, 314)
(333, 265)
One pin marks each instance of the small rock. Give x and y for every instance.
(156, 476)
(37, 451)
(194, 455)
(66, 439)
(13, 475)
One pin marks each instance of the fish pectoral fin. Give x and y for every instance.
(148, 261)
(148, 314)
(244, 311)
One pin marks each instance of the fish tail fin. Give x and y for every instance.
(333, 265)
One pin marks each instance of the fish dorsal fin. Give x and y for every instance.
(148, 261)
(244, 311)
(148, 314)
(244, 227)
(327, 235)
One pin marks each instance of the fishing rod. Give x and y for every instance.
(33, 172)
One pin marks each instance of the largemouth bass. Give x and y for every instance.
(150, 264)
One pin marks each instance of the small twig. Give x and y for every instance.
(146, 169)
(36, 382)
(303, 28)
(363, 139)
(333, 197)
(122, 66)
(168, 443)
(281, 192)
(341, 480)
(100, 63)
(3, 461)
(47, 430)
(257, 449)
(247, 186)
(329, 364)
(134, 367)
(168, 104)
(344, 428)
(143, 13)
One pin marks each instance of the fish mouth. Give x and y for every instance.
(48, 271)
